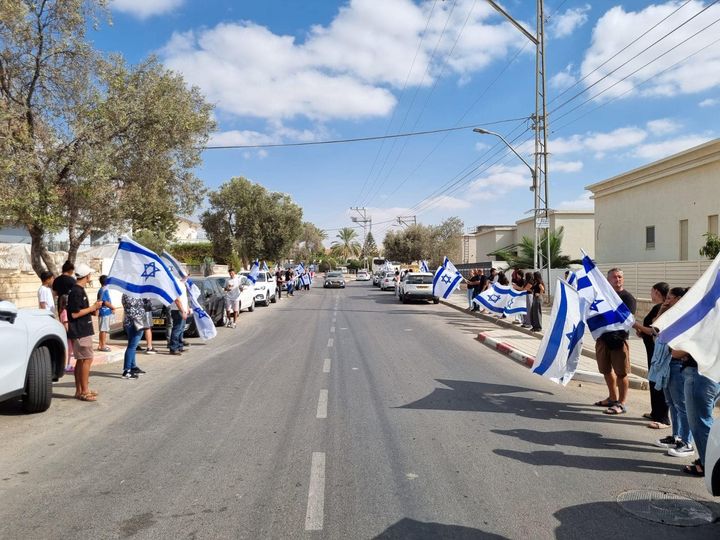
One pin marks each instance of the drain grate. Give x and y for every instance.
(665, 507)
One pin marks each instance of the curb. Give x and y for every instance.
(528, 360)
(639, 371)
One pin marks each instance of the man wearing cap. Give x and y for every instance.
(80, 331)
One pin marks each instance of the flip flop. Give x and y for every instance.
(607, 402)
(692, 469)
(615, 409)
(87, 397)
(658, 425)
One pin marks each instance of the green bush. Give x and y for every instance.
(192, 253)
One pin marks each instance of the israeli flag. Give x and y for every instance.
(141, 273)
(692, 324)
(560, 348)
(605, 312)
(424, 266)
(265, 267)
(203, 321)
(254, 272)
(446, 280)
(174, 265)
(503, 300)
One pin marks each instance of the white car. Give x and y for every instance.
(362, 275)
(34, 347)
(712, 460)
(417, 286)
(247, 291)
(387, 281)
(265, 288)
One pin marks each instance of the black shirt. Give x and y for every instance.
(629, 300)
(474, 283)
(62, 284)
(82, 326)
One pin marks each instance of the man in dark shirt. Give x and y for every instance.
(80, 331)
(65, 281)
(613, 352)
(472, 284)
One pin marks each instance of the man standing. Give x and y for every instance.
(179, 312)
(278, 282)
(80, 331)
(613, 352)
(232, 298)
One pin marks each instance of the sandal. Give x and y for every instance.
(692, 469)
(615, 409)
(607, 402)
(658, 425)
(87, 397)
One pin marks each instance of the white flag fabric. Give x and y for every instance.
(424, 266)
(141, 273)
(605, 310)
(203, 322)
(503, 300)
(299, 269)
(174, 265)
(265, 267)
(254, 272)
(446, 280)
(693, 324)
(305, 278)
(559, 352)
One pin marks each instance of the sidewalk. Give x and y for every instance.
(522, 345)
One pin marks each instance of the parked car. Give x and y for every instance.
(376, 278)
(212, 300)
(265, 288)
(712, 460)
(34, 347)
(417, 286)
(387, 280)
(362, 275)
(334, 279)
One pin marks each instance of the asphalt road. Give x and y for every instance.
(335, 414)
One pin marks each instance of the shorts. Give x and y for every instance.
(609, 360)
(104, 323)
(83, 348)
(232, 304)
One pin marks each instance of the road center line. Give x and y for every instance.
(332, 329)
(322, 404)
(330, 342)
(326, 365)
(314, 516)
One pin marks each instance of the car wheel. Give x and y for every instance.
(274, 298)
(436, 300)
(191, 329)
(38, 388)
(251, 307)
(266, 302)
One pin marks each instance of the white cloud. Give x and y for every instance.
(663, 126)
(345, 70)
(566, 166)
(710, 102)
(598, 142)
(142, 9)
(564, 24)
(616, 27)
(667, 148)
(583, 202)
(562, 80)
(497, 181)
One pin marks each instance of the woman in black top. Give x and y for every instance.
(658, 406)
(538, 289)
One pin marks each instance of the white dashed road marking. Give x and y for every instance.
(326, 365)
(330, 342)
(322, 404)
(332, 329)
(314, 516)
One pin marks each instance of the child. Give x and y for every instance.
(45, 295)
(106, 313)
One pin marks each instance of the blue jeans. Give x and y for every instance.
(176, 334)
(675, 399)
(134, 337)
(701, 394)
(471, 295)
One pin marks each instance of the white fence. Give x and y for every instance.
(640, 277)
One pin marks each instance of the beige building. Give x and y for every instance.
(659, 212)
(480, 245)
(189, 230)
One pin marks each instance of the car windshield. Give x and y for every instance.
(260, 277)
(419, 280)
(334, 274)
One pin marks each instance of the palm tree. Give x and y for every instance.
(346, 246)
(526, 252)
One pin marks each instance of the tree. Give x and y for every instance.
(371, 249)
(246, 219)
(524, 258)
(309, 243)
(711, 247)
(429, 242)
(90, 143)
(346, 246)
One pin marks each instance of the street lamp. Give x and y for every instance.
(533, 187)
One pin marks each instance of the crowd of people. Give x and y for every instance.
(66, 298)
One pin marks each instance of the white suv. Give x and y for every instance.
(265, 288)
(34, 345)
(417, 286)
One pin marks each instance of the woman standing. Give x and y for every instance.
(658, 405)
(538, 289)
(529, 282)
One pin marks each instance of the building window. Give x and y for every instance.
(650, 237)
(713, 224)
(683, 239)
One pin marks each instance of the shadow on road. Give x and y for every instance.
(474, 396)
(578, 439)
(410, 529)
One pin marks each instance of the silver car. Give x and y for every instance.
(417, 286)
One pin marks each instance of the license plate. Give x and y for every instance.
(423, 286)
(159, 322)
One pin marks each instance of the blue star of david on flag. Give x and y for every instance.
(594, 305)
(200, 312)
(575, 335)
(446, 279)
(150, 270)
(494, 297)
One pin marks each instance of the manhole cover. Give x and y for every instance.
(665, 507)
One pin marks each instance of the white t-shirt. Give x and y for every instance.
(45, 295)
(183, 299)
(234, 285)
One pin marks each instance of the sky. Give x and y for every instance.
(627, 84)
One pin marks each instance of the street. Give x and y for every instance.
(334, 414)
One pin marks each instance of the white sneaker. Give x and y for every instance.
(681, 450)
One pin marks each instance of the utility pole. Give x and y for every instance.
(406, 221)
(364, 219)
(541, 210)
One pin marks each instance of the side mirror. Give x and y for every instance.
(8, 312)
